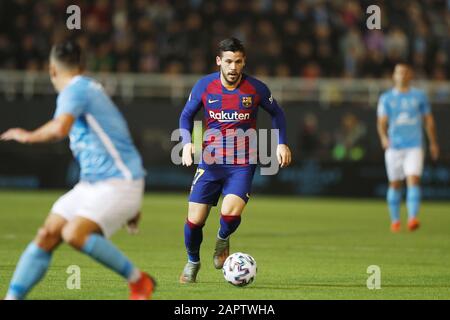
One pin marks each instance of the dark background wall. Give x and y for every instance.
(336, 150)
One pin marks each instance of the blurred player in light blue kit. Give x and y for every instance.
(111, 186)
(403, 112)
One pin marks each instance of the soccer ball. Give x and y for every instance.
(239, 269)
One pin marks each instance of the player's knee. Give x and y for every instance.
(234, 212)
(73, 237)
(395, 184)
(413, 181)
(47, 238)
(198, 214)
(233, 205)
(196, 220)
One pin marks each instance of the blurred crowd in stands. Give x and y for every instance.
(306, 38)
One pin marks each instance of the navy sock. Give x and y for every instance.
(193, 237)
(228, 225)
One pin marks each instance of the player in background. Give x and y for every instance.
(403, 112)
(230, 100)
(111, 186)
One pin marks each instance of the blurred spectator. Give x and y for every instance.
(313, 143)
(349, 139)
(396, 43)
(310, 38)
(353, 50)
(308, 140)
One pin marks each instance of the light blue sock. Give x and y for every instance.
(31, 268)
(103, 251)
(394, 198)
(413, 201)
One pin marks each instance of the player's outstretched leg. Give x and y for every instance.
(228, 225)
(36, 258)
(413, 196)
(83, 234)
(394, 198)
(31, 268)
(193, 237)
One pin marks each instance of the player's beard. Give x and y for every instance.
(231, 82)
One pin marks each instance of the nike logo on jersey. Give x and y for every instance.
(212, 101)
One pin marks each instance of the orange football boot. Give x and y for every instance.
(413, 224)
(143, 288)
(395, 226)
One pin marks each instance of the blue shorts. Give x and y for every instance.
(212, 181)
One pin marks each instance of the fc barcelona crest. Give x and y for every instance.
(247, 102)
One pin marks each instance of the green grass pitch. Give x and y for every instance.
(305, 249)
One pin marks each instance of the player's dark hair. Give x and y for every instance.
(231, 44)
(68, 53)
(403, 63)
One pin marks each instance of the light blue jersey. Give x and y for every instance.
(99, 139)
(405, 113)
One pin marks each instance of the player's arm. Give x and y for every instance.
(186, 124)
(54, 130)
(430, 128)
(69, 105)
(269, 104)
(382, 123)
(382, 128)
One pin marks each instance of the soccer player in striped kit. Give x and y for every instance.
(231, 100)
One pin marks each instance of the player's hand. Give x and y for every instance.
(188, 150)
(385, 143)
(283, 155)
(16, 134)
(132, 225)
(434, 151)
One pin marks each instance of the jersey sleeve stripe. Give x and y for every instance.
(109, 146)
